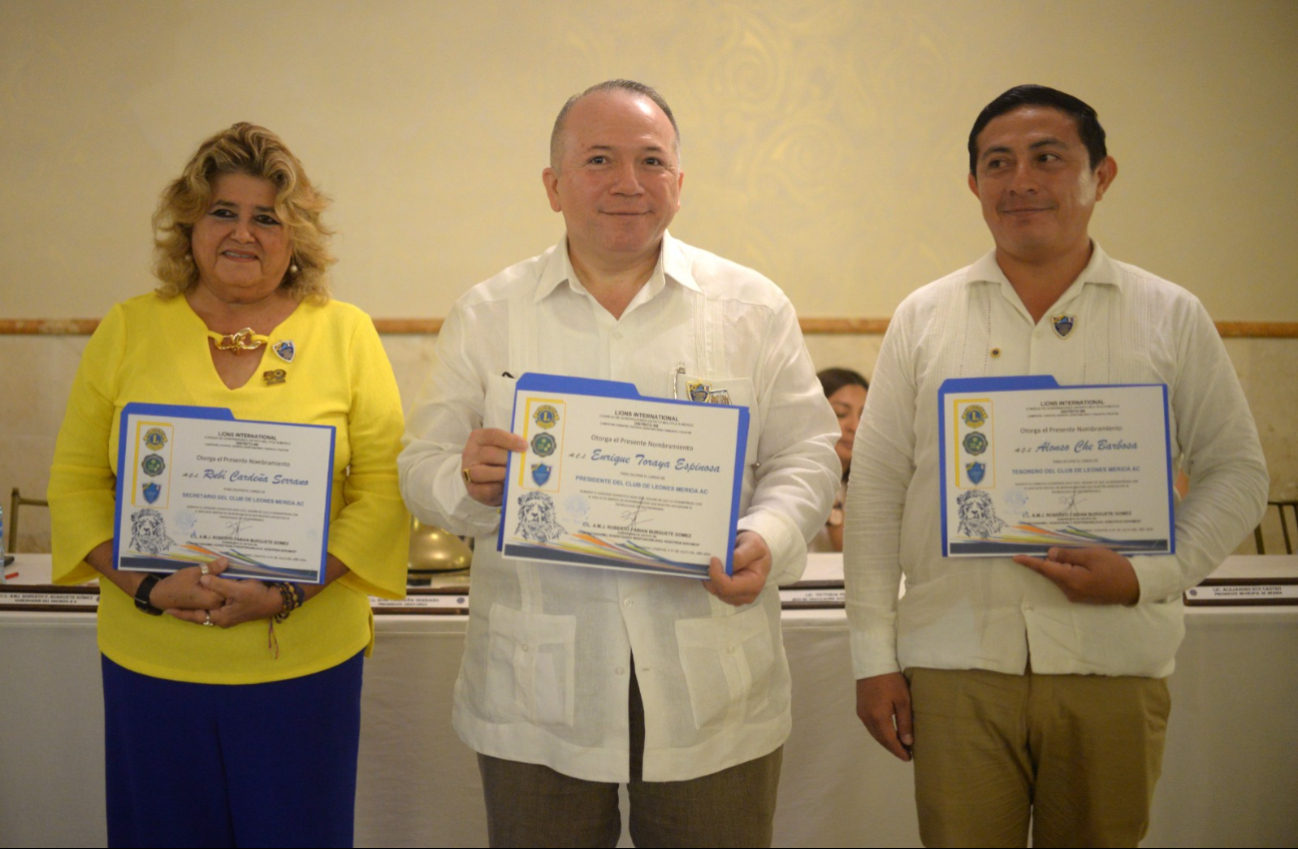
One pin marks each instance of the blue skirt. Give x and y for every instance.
(232, 765)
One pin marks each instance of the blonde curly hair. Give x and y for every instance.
(243, 149)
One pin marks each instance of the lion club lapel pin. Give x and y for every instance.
(284, 350)
(1063, 324)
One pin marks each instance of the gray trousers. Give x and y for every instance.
(532, 805)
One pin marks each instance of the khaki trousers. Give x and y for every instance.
(533, 805)
(1076, 755)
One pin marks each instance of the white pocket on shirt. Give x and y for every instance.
(530, 666)
(728, 662)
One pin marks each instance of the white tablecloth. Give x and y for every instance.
(1228, 774)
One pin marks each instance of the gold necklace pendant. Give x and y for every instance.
(244, 340)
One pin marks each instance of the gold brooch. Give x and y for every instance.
(244, 340)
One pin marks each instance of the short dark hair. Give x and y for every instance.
(1088, 122)
(834, 379)
(556, 144)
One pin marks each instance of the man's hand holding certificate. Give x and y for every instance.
(611, 479)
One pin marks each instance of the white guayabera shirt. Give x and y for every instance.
(986, 613)
(547, 665)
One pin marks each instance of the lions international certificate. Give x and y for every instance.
(1028, 464)
(615, 480)
(195, 483)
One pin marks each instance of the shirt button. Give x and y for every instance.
(730, 649)
(620, 670)
(526, 647)
(626, 603)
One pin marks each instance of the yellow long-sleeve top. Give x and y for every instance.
(155, 350)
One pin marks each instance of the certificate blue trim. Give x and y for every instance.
(1044, 382)
(179, 411)
(567, 385)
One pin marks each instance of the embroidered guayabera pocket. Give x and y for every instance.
(530, 666)
(728, 663)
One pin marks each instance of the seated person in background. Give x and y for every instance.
(845, 390)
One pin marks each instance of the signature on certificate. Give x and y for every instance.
(632, 517)
(1071, 502)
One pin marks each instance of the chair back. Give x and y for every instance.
(16, 502)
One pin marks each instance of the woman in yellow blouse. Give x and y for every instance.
(242, 321)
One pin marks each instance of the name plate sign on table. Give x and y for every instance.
(615, 480)
(195, 483)
(1028, 464)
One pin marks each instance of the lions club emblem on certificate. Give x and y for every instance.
(155, 439)
(974, 416)
(546, 416)
(543, 445)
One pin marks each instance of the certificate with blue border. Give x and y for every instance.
(1027, 464)
(615, 480)
(195, 483)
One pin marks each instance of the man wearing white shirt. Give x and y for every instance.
(575, 679)
(1034, 688)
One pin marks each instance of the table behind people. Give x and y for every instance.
(575, 679)
(241, 253)
(1101, 629)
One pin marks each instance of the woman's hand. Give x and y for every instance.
(182, 590)
(240, 600)
(178, 591)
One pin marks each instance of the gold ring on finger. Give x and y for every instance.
(468, 478)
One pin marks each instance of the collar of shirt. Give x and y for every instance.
(672, 265)
(1099, 270)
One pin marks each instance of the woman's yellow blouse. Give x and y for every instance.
(154, 350)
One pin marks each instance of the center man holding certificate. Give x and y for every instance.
(580, 672)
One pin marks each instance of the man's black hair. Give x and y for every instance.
(1088, 123)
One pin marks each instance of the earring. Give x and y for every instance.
(189, 257)
(293, 269)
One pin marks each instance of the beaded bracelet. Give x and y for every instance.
(292, 596)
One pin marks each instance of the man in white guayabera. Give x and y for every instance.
(1033, 689)
(576, 680)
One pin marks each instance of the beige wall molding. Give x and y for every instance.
(810, 326)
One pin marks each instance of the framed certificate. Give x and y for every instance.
(195, 483)
(615, 480)
(1027, 465)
